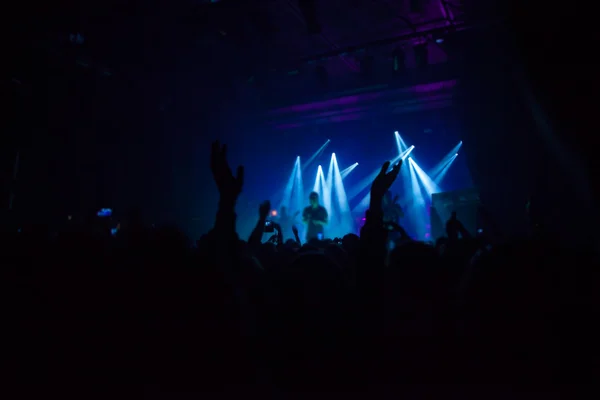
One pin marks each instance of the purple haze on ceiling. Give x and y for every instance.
(366, 97)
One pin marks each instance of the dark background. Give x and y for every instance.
(126, 117)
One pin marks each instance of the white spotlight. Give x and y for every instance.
(456, 154)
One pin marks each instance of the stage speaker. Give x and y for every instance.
(465, 202)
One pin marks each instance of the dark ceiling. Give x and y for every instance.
(246, 41)
(284, 30)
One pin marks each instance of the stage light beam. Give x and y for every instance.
(444, 161)
(347, 170)
(417, 212)
(316, 154)
(400, 144)
(299, 188)
(328, 184)
(429, 185)
(340, 217)
(407, 152)
(319, 180)
(440, 176)
(289, 187)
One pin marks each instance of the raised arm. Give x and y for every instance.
(296, 236)
(259, 229)
(279, 233)
(398, 228)
(224, 239)
(372, 254)
(229, 186)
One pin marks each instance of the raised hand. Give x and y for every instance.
(263, 209)
(296, 236)
(229, 186)
(384, 180)
(398, 228)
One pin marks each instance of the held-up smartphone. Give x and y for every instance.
(320, 236)
(269, 228)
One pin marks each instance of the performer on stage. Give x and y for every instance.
(315, 217)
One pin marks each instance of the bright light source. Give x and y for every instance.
(332, 154)
(456, 154)
(396, 132)
(274, 213)
(347, 170)
(429, 185)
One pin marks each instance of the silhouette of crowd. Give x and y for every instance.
(143, 314)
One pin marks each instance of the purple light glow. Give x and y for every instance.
(341, 101)
(337, 112)
(354, 107)
(347, 100)
(434, 87)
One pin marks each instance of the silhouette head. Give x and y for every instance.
(453, 215)
(313, 198)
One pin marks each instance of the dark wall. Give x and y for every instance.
(528, 106)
